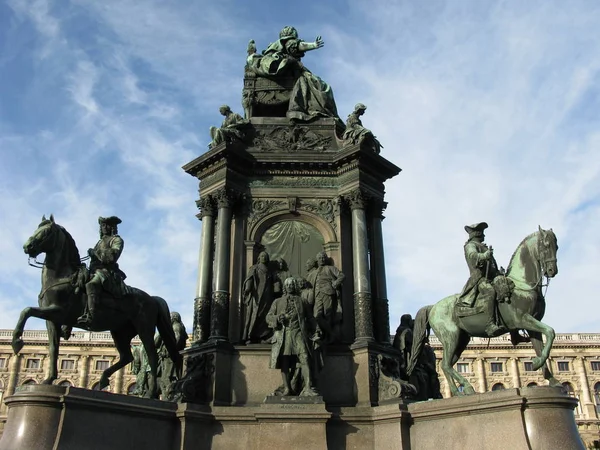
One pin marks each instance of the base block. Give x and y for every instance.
(52, 417)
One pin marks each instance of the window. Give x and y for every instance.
(462, 368)
(595, 365)
(96, 387)
(528, 366)
(131, 389)
(32, 363)
(498, 387)
(532, 384)
(102, 365)
(2, 363)
(597, 396)
(65, 384)
(563, 366)
(67, 364)
(496, 366)
(29, 382)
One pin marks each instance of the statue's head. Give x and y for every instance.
(360, 108)
(263, 258)
(290, 285)
(175, 317)
(476, 231)
(547, 248)
(109, 225)
(311, 263)
(289, 33)
(224, 110)
(322, 258)
(405, 320)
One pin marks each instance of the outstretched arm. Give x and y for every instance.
(307, 46)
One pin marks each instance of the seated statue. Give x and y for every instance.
(231, 128)
(357, 134)
(311, 97)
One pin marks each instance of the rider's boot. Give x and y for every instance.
(491, 328)
(88, 316)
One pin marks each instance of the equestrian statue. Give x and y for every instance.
(493, 302)
(96, 299)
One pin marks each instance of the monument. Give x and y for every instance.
(291, 338)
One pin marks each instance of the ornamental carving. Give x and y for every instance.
(387, 378)
(291, 139)
(194, 387)
(225, 197)
(206, 205)
(260, 208)
(324, 208)
(358, 199)
(295, 181)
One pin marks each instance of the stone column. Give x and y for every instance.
(15, 365)
(219, 325)
(480, 371)
(83, 370)
(119, 381)
(202, 301)
(381, 310)
(514, 372)
(587, 404)
(363, 315)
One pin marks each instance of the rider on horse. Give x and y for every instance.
(104, 270)
(483, 269)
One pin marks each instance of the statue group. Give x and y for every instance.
(297, 315)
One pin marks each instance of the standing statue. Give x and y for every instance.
(326, 281)
(521, 307)
(260, 288)
(311, 97)
(166, 368)
(140, 368)
(232, 127)
(62, 300)
(295, 335)
(104, 269)
(403, 339)
(425, 377)
(355, 132)
(483, 269)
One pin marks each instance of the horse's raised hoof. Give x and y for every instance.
(17, 345)
(537, 363)
(48, 381)
(104, 382)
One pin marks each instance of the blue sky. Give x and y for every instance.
(490, 108)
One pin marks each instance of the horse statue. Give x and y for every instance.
(523, 309)
(62, 300)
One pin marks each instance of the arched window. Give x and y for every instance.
(498, 387)
(65, 383)
(532, 384)
(568, 389)
(597, 396)
(25, 383)
(131, 389)
(96, 387)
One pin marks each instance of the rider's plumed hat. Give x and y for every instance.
(476, 227)
(112, 220)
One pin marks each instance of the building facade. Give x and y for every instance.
(488, 365)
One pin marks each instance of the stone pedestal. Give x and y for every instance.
(52, 417)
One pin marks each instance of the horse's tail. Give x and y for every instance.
(165, 329)
(420, 334)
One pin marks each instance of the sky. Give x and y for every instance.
(491, 109)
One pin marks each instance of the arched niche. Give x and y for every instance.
(294, 237)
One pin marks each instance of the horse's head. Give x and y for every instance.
(547, 248)
(43, 239)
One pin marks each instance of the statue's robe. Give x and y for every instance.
(261, 284)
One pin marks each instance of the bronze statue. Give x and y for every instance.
(311, 97)
(167, 371)
(295, 335)
(62, 300)
(403, 339)
(424, 376)
(482, 271)
(104, 269)
(357, 134)
(326, 282)
(519, 309)
(140, 368)
(260, 288)
(232, 127)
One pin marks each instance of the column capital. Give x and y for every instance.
(226, 197)
(358, 199)
(206, 205)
